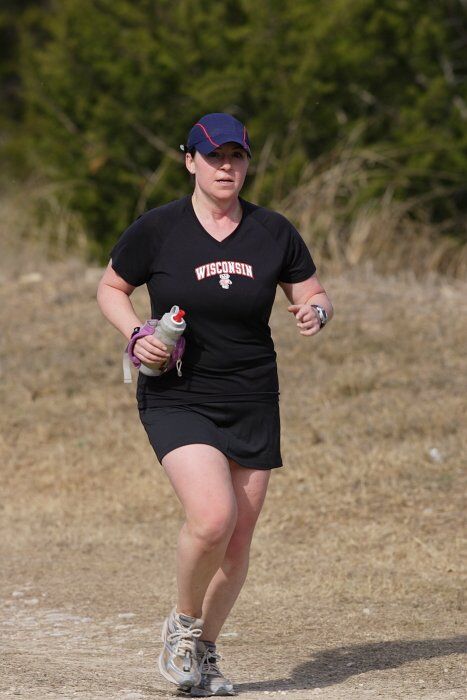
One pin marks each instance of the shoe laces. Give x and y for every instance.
(183, 640)
(208, 662)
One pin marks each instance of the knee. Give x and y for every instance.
(214, 528)
(239, 544)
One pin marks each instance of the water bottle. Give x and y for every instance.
(169, 329)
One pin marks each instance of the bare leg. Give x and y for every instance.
(250, 487)
(201, 477)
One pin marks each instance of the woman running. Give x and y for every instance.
(215, 429)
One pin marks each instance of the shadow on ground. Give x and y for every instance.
(334, 666)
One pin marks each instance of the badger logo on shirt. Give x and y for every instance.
(225, 280)
(224, 268)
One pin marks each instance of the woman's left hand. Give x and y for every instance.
(307, 318)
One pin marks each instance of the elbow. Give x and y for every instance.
(100, 294)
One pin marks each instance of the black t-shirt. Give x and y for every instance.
(227, 290)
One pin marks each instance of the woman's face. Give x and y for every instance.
(220, 174)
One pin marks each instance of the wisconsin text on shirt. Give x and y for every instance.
(230, 266)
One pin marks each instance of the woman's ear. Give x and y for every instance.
(190, 163)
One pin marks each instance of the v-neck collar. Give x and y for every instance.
(200, 226)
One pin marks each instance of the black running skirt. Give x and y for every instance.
(246, 431)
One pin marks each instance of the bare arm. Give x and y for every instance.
(301, 295)
(113, 298)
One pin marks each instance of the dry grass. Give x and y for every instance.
(343, 229)
(36, 221)
(330, 206)
(359, 549)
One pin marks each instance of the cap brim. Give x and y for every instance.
(206, 147)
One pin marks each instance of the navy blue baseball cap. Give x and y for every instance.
(214, 130)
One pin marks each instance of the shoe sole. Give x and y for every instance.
(199, 693)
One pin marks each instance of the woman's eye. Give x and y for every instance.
(237, 155)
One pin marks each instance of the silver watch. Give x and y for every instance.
(322, 314)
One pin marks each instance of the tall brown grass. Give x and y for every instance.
(329, 206)
(34, 215)
(392, 234)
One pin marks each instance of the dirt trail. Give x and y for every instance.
(355, 588)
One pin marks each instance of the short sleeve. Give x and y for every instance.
(297, 263)
(132, 255)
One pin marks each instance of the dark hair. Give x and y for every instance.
(191, 151)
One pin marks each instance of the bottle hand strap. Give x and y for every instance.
(175, 359)
(128, 354)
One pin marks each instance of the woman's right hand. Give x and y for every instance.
(151, 351)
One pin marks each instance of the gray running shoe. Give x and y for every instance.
(178, 661)
(212, 681)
